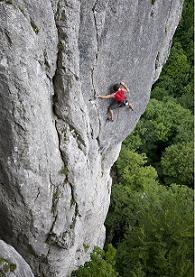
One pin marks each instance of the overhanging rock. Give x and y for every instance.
(56, 147)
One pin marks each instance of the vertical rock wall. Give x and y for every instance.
(56, 147)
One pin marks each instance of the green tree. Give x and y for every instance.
(185, 30)
(177, 164)
(187, 97)
(132, 169)
(163, 121)
(163, 124)
(177, 77)
(151, 225)
(133, 175)
(160, 241)
(177, 74)
(101, 265)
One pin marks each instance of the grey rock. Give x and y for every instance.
(56, 147)
(11, 263)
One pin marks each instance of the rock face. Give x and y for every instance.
(11, 263)
(56, 147)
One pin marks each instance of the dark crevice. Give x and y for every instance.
(8, 38)
(61, 70)
(19, 126)
(94, 65)
(95, 22)
(34, 27)
(51, 229)
(74, 203)
(97, 50)
(157, 60)
(37, 194)
(55, 198)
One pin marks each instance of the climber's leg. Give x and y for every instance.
(113, 105)
(110, 114)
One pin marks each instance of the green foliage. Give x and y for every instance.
(152, 2)
(185, 30)
(158, 236)
(86, 247)
(12, 267)
(6, 267)
(101, 265)
(187, 97)
(61, 46)
(177, 77)
(132, 170)
(177, 164)
(164, 123)
(161, 241)
(133, 142)
(11, 2)
(64, 170)
(177, 67)
(133, 175)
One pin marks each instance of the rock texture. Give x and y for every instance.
(56, 147)
(11, 263)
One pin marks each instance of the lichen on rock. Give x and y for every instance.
(11, 263)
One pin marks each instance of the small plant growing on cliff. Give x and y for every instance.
(6, 267)
(55, 195)
(11, 2)
(12, 267)
(102, 264)
(55, 198)
(152, 2)
(60, 46)
(64, 170)
(86, 247)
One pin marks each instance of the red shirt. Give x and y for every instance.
(120, 95)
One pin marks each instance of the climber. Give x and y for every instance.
(118, 97)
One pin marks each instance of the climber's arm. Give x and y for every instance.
(110, 96)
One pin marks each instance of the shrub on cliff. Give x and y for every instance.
(101, 265)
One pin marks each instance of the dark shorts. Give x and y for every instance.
(115, 105)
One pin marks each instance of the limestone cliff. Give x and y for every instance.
(56, 147)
